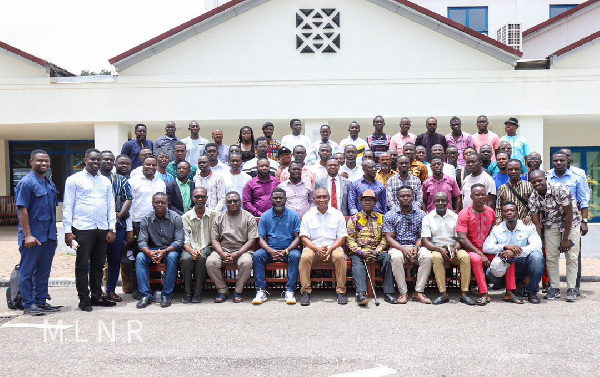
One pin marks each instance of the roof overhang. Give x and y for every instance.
(52, 69)
(588, 41)
(234, 8)
(559, 19)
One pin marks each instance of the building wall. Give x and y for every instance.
(15, 67)
(585, 57)
(562, 34)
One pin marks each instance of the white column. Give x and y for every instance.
(532, 128)
(110, 136)
(312, 128)
(4, 161)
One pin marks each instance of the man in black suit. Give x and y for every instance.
(341, 184)
(179, 191)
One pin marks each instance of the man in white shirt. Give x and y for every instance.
(142, 189)
(448, 169)
(143, 154)
(213, 183)
(235, 179)
(360, 144)
(438, 235)
(290, 141)
(353, 172)
(194, 144)
(323, 232)
(89, 220)
(319, 167)
(337, 185)
(212, 153)
(313, 153)
(478, 176)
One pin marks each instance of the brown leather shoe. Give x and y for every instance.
(112, 296)
(402, 299)
(420, 297)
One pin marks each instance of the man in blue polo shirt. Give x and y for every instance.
(36, 207)
(279, 231)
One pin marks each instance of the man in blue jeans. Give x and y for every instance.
(161, 238)
(512, 240)
(279, 230)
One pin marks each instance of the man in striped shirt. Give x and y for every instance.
(520, 193)
(378, 142)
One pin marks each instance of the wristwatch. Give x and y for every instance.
(585, 220)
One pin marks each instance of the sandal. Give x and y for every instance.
(237, 298)
(221, 297)
(482, 301)
(513, 300)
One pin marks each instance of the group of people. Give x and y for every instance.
(477, 201)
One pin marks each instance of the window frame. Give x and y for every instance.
(467, 17)
(566, 7)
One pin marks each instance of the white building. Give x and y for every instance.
(249, 61)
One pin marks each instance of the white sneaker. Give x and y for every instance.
(290, 299)
(261, 296)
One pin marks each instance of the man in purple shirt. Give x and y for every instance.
(431, 138)
(441, 183)
(257, 193)
(461, 139)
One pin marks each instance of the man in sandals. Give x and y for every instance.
(514, 241)
(234, 233)
(279, 230)
(439, 236)
(473, 226)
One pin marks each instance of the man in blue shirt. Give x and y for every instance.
(279, 230)
(368, 182)
(36, 209)
(580, 190)
(133, 147)
(520, 145)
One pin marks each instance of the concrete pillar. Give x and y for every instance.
(532, 128)
(4, 166)
(110, 136)
(312, 128)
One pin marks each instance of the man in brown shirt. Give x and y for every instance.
(233, 234)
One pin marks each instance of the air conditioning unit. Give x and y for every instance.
(510, 35)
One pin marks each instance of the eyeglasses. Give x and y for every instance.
(233, 201)
(200, 196)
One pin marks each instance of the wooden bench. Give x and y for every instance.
(8, 211)
(280, 268)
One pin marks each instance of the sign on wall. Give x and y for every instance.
(318, 30)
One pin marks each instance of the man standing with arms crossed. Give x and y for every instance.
(36, 208)
(89, 218)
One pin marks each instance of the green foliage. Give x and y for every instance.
(103, 72)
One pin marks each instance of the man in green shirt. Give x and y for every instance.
(179, 191)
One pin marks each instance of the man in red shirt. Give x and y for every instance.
(473, 226)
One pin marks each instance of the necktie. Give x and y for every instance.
(334, 202)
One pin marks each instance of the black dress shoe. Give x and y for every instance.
(533, 298)
(468, 300)
(136, 295)
(165, 301)
(342, 299)
(197, 299)
(49, 308)
(102, 302)
(85, 304)
(144, 301)
(440, 300)
(305, 300)
(362, 299)
(34, 310)
(186, 299)
(389, 298)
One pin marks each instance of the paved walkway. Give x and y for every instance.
(63, 266)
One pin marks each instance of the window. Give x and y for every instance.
(66, 158)
(555, 10)
(474, 17)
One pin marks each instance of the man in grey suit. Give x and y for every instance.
(336, 185)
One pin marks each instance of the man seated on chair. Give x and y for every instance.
(197, 224)
(402, 229)
(323, 232)
(439, 237)
(279, 230)
(366, 243)
(234, 233)
(518, 244)
(160, 240)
